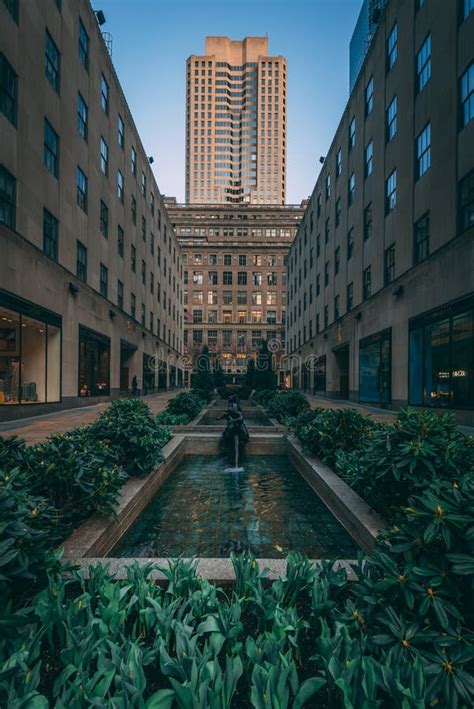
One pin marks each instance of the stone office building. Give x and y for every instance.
(381, 274)
(90, 269)
(234, 260)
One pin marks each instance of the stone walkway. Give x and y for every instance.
(38, 428)
(377, 414)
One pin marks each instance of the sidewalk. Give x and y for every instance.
(38, 428)
(380, 415)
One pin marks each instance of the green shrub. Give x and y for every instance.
(206, 395)
(396, 461)
(325, 432)
(166, 418)
(264, 396)
(129, 429)
(24, 544)
(286, 404)
(187, 402)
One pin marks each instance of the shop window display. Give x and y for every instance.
(30, 358)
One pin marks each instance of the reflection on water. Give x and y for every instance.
(269, 509)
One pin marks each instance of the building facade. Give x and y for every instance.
(236, 124)
(90, 269)
(381, 274)
(234, 278)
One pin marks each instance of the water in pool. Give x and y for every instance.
(268, 509)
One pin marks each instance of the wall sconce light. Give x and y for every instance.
(151, 159)
(359, 315)
(73, 289)
(322, 159)
(398, 290)
(112, 314)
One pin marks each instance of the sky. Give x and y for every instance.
(153, 38)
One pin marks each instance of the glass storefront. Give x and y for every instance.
(30, 352)
(319, 383)
(441, 357)
(148, 373)
(375, 368)
(94, 363)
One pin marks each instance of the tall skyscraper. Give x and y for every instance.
(236, 124)
(364, 31)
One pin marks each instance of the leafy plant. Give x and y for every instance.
(187, 402)
(286, 404)
(166, 418)
(128, 428)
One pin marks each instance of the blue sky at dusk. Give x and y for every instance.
(313, 35)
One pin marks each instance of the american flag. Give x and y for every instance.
(188, 315)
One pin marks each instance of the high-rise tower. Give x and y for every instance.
(236, 124)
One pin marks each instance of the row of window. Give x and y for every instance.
(241, 339)
(227, 278)
(256, 316)
(241, 259)
(228, 297)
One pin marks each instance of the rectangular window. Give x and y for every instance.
(421, 239)
(242, 259)
(227, 278)
(51, 148)
(12, 7)
(350, 296)
(104, 280)
(120, 294)
(120, 192)
(133, 208)
(392, 47)
(7, 198)
(143, 229)
(82, 116)
(369, 158)
(367, 283)
(120, 241)
(318, 284)
(352, 134)
(104, 94)
(441, 357)
(467, 6)
(83, 46)
(120, 131)
(337, 260)
(143, 272)
(368, 222)
(375, 368)
(338, 163)
(50, 235)
(326, 273)
(369, 96)
(143, 184)
(104, 219)
(350, 243)
(391, 192)
(8, 91)
(81, 189)
(328, 186)
(336, 308)
(338, 211)
(104, 156)
(327, 228)
(423, 151)
(133, 306)
(389, 264)
(81, 261)
(197, 316)
(52, 62)
(133, 258)
(423, 64)
(351, 189)
(465, 198)
(466, 96)
(242, 278)
(392, 112)
(133, 161)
